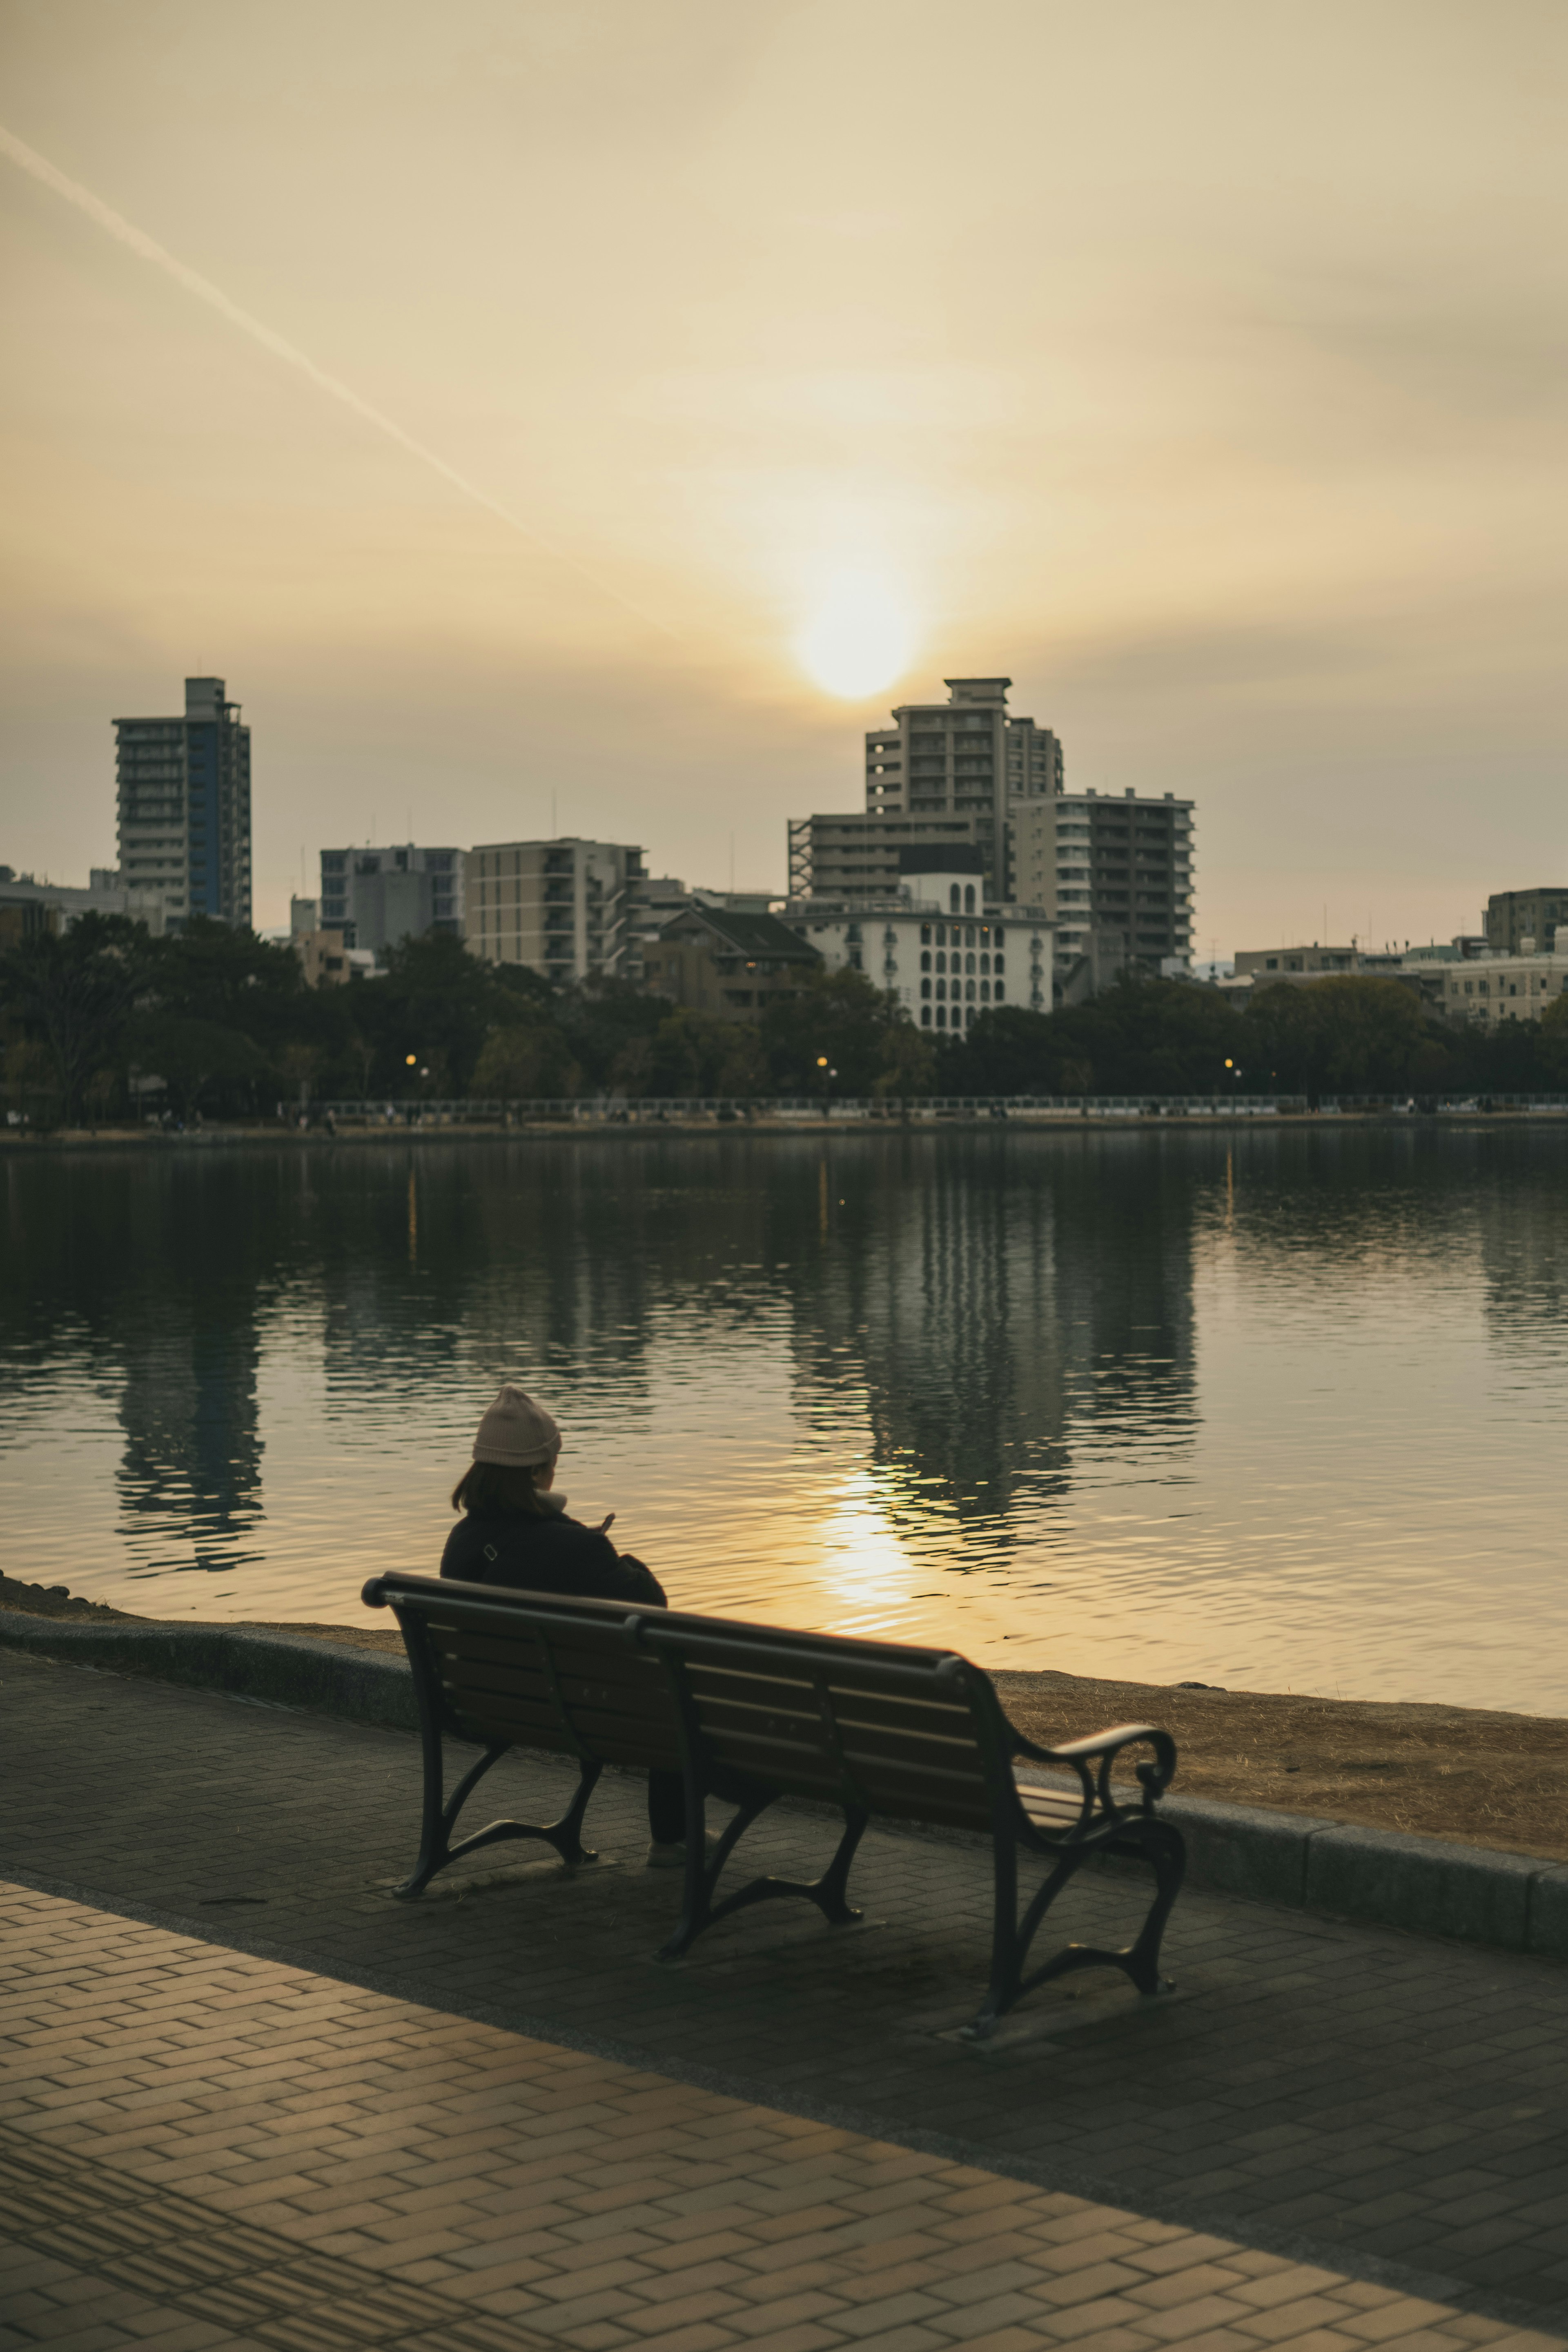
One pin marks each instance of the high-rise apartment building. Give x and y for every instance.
(1113, 874)
(940, 776)
(377, 897)
(1111, 879)
(184, 807)
(967, 757)
(559, 907)
(855, 856)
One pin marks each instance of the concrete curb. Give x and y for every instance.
(276, 1669)
(1428, 1886)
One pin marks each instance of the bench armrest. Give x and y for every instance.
(1153, 1778)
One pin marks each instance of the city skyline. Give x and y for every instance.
(1216, 409)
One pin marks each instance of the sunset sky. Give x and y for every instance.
(1200, 367)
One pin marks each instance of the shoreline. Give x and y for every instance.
(1471, 1776)
(859, 1123)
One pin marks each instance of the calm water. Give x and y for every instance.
(1281, 1411)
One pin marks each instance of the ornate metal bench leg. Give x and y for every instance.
(566, 1835)
(1006, 1957)
(701, 1875)
(436, 1820)
(1166, 1850)
(830, 1892)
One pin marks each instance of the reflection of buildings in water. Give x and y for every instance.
(191, 1474)
(996, 1310)
(558, 1263)
(1524, 1254)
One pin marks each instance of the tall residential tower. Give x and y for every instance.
(184, 807)
(965, 757)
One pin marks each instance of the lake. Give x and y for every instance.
(1277, 1409)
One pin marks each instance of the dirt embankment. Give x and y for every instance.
(1459, 1772)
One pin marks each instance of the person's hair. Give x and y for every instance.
(490, 1487)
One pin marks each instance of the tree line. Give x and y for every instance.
(226, 1021)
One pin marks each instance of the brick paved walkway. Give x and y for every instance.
(1342, 2096)
(206, 2148)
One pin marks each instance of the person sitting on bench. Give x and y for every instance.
(514, 1530)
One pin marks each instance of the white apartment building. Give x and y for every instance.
(936, 946)
(1494, 988)
(559, 907)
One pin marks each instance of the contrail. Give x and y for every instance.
(39, 167)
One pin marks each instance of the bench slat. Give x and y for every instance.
(611, 1659)
(874, 1678)
(850, 1704)
(645, 1701)
(588, 1719)
(729, 1724)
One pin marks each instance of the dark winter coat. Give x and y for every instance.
(547, 1554)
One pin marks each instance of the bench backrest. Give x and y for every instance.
(534, 1671)
(817, 1716)
(907, 1732)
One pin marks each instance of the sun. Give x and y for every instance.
(859, 639)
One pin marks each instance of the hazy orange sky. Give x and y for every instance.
(1200, 367)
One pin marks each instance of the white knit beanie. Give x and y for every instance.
(516, 1432)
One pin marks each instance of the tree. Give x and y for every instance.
(693, 1054)
(1009, 1051)
(1346, 1034)
(832, 1037)
(908, 1062)
(74, 992)
(193, 1055)
(1554, 1036)
(601, 1019)
(1142, 1037)
(212, 972)
(528, 1061)
(438, 1004)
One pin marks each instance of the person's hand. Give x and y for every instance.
(606, 1524)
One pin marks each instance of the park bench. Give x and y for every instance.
(749, 1714)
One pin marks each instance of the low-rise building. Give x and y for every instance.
(327, 961)
(735, 965)
(1264, 964)
(28, 906)
(656, 899)
(1495, 988)
(559, 907)
(935, 943)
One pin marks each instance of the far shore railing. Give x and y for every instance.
(661, 1110)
